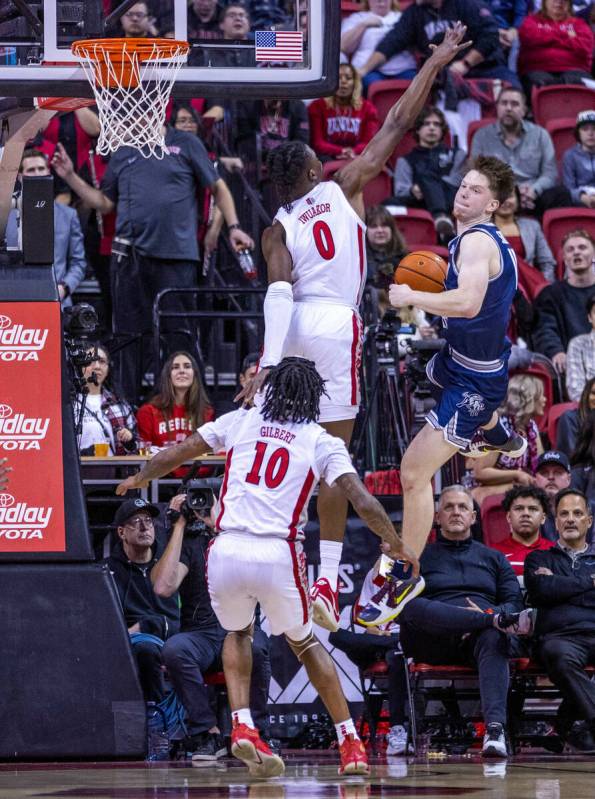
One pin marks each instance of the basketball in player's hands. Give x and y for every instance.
(422, 271)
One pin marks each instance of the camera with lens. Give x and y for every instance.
(80, 324)
(201, 496)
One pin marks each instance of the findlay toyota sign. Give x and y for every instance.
(32, 506)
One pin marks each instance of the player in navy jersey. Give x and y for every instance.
(470, 373)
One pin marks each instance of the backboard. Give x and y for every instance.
(254, 58)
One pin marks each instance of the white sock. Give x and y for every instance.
(330, 557)
(243, 716)
(345, 728)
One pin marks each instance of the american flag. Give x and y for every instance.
(279, 46)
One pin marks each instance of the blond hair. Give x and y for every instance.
(524, 392)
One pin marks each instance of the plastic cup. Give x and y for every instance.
(144, 447)
(101, 450)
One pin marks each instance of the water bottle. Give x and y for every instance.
(247, 264)
(157, 737)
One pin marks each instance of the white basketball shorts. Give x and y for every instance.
(331, 336)
(243, 569)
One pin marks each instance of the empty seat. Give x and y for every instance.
(562, 133)
(415, 224)
(556, 102)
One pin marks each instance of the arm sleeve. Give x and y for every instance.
(549, 169)
(77, 262)
(318, 140)
(403, 178)
(520, 11)
(402, 36)
(201, 164)
(569, 176)
(478, 145)
(332, 458)
(278, 306)
(576, 376)
(145, 417)
(109, 182)
(566, 433)
(217, 433)
(482, 28)
(547, 336)
(545, 589)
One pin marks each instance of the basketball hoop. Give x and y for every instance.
(132, 80)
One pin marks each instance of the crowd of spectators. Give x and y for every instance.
(145, 225)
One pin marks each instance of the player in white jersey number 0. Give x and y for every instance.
(315, 253)
(275, 457)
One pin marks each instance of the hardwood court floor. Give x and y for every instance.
(308, 775)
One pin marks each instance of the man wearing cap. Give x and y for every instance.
(526, 509)
(130, 563)
(578, 174)
(552, 475)
(560, 307)
(561, 585)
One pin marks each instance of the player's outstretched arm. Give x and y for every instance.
(373, 514)
(353, 177)
(164, 462)
(278, 305)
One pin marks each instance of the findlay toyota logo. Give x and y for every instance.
(18, 520)
(19, 432)
(20, 343)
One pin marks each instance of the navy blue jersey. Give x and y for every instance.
(480, 344)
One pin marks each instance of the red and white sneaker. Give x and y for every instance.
(247, 745)
(353, 756)
(325, 604)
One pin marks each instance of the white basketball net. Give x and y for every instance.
(131, 94)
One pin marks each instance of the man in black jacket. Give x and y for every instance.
(561, 585)
(425, 22)
(130, 563)
(472, 597)
(562, 307)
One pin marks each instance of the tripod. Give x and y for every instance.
(383, 428)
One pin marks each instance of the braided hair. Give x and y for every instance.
(293, 392)
(286, 165)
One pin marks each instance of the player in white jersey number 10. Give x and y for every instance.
(315, 253)
(275, 456)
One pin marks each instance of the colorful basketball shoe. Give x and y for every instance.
(247, 745)
(353, 756)
(325, 604)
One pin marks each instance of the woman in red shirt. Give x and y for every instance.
(180, 406)
(342, 125)
(555, 46)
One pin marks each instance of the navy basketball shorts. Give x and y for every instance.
(466, 400)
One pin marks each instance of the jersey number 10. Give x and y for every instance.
(276, 468)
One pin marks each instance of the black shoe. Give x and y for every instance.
(494, 741)
(206, 746)
(515, 623)
(581, 739)
(514, 447)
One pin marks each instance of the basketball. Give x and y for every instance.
(422, 271)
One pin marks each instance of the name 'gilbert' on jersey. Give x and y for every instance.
(326, 240)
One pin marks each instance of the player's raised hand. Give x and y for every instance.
(130, 484)
(452, 44)
(252, 387)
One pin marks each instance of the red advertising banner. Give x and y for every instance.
(32, 507)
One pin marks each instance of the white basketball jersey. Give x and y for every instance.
(271, 471)
(326, 239)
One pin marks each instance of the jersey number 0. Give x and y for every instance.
(276, 468)
(323, 238)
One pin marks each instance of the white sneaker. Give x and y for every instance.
(397, 741)
(494, 742)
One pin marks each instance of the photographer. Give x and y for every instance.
(197, 648)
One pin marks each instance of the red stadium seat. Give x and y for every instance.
(415, 224)
(377, 190)
(553, 418)
(350, 7)
(494, 525)
(475, 126)
(559, 221)
(385, 93)
(437, 248)
(560, 101)
(562, 133)
(485, 86)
